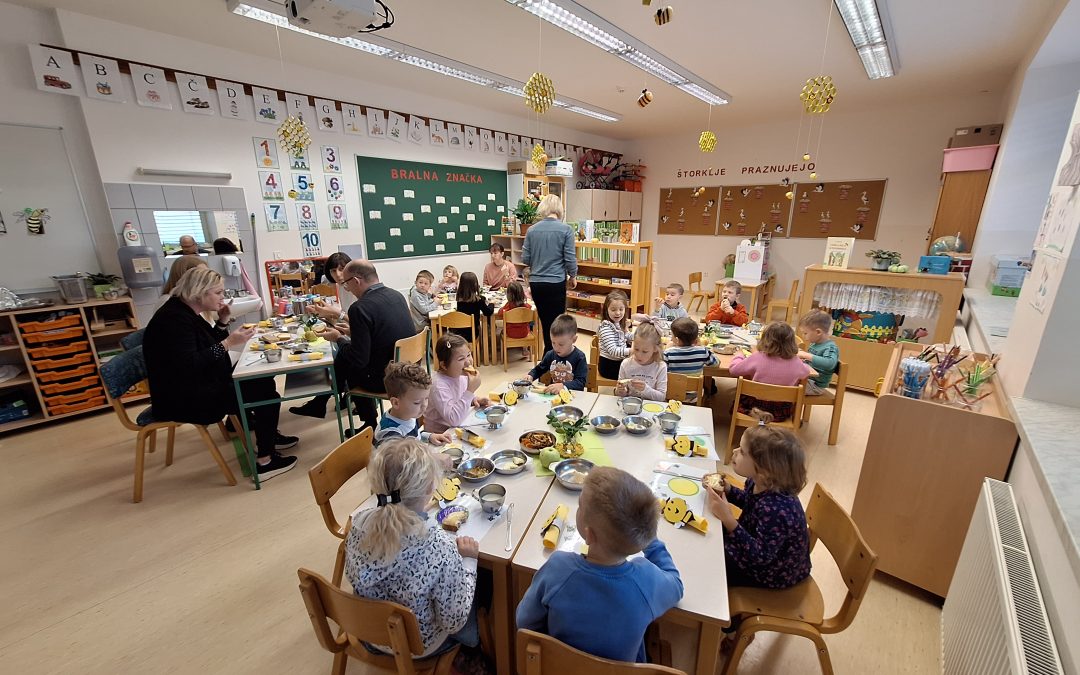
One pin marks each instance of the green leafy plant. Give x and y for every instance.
(882, 254)
(525, 211)
(568, 430)
(101, 279)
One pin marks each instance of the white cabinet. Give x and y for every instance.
(593, 205)
(630, 206)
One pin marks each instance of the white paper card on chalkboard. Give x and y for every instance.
(439, 199)
(491, 222)
(374, 215)
(369, 188)
(425, 208)
(463, 228)
(407, 216)
(395, 231)
(408, 194)
(442, 220)
(466, 200)
(439, 248)
(379, 245)
(479, 237)
(429, 232)
(491, 196)
(451, 235)
(470, 216)
(500, 208)
(407, 248)
(464, 247)
(455, 209)
(389, 201)
(482, 207)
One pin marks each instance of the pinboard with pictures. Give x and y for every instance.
(848, 208)
(746, 210)
(688, 210)
(423, 208)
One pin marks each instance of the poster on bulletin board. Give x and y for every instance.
(421, 208)
(688, 210)
(746, 210)
(837, 209)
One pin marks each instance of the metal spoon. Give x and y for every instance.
(509, 516)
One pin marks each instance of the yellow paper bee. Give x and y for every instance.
(448, 489)
(685, 446)
(673, 405)
(645, 98)
(676, 512)
(664, 15)
(35, 219)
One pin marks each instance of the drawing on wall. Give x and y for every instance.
(35, 219)
(1046, 272)
(1069, 176)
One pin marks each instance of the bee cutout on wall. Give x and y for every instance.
(786, 182)
(856, 228)
(645, 98)
(663, 15)
(745, 192)
(698, 192)
(820, 187)
(35, 219)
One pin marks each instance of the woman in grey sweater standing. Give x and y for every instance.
(549, 252)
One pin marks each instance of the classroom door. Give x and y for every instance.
(960, 206)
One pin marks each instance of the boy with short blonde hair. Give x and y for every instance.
(407, 385)
(421, 300)
(617, 516)
(821, 352)
(728, 310)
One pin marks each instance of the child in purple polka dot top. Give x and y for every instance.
(769, 545)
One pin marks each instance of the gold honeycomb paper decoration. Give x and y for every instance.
(293, 135)
(818, 94)
(707, 141)
(539, 157)
(539, 93)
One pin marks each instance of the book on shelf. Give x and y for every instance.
(838, 252)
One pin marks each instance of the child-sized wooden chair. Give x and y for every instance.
(829, 397)
(413, 349)
(593, 381)
(373, 621)
(679, 385)
(326, 290)
(696, 293)
(532, 340)
(327, 477)
(538, 654)
(789, 306)
(764, 392)
(461, 320)
(800, 610)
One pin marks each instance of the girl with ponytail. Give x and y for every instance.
(396, 552)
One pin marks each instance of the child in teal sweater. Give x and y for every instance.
(821, 352)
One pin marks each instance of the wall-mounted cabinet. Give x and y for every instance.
(629, 206)
(597, 205)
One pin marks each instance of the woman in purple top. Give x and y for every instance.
(768, 546)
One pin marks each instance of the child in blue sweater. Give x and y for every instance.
(600, 602)
(565, 362)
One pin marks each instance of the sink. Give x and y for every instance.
(245, 304)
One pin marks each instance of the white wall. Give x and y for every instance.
(127, 136)
(903, 145)
(22, 103)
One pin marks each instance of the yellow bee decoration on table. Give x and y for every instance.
(448, 489)
(562, 398)
(676, 512)
(510, 398)
(663, 15)
(685, 446)
(673, 405)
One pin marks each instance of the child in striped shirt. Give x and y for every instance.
(686, 356)
(613, 335)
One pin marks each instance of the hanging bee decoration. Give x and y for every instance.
(663, 16)
(785, 181)
(645, 98)
(35, 219)
(698, 192)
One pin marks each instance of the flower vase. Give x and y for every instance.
(881, 264)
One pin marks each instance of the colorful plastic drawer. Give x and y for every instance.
(53, 335)
(52, 364)
(74, 385)
(58, 350)
(62, 322)
(76, 407)
(57, 375)
(78, 397)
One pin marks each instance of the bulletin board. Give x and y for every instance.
(848, 208)
(421, 208)
(746, 210)
(683, 213)
(36, 173)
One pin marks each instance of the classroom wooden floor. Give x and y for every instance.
(201, 577)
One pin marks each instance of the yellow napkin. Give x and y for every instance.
(554, 527)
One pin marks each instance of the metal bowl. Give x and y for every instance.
(631, 405)
(504, 462)
(522, 387)
(571, 473)
(532, 451)
(567, 413)
(491, 497)
(669, 422)
(605, 424)
(477, 464)
(456, 455)
(495, 414)
(638, 425)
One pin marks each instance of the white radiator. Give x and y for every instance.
(994, 620)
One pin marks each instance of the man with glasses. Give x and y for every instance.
(377, 320)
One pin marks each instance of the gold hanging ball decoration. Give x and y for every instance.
(813, 174)
(539, 93)
(806, 157)
(789, 194)
(293, 135)
(707, 141)
(539, 157)
(818, 94)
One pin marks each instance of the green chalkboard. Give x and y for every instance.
(418, 208)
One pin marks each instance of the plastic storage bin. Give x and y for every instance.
(72, 288)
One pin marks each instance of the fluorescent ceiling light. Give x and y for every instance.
(864, 25)
(397, 51)
(599, 32)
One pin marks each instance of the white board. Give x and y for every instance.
(35, 173)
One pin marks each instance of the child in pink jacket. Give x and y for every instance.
(775, 361)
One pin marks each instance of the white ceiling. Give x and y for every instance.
(759, 51)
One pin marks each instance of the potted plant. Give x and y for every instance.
(525, 212)
(882, 259)
(102, 283)
(568, 432)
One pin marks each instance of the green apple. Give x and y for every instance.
(549, 456)
(902, 269)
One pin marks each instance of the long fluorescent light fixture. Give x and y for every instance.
(397, 51)
(867, 33)
(599, 32)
